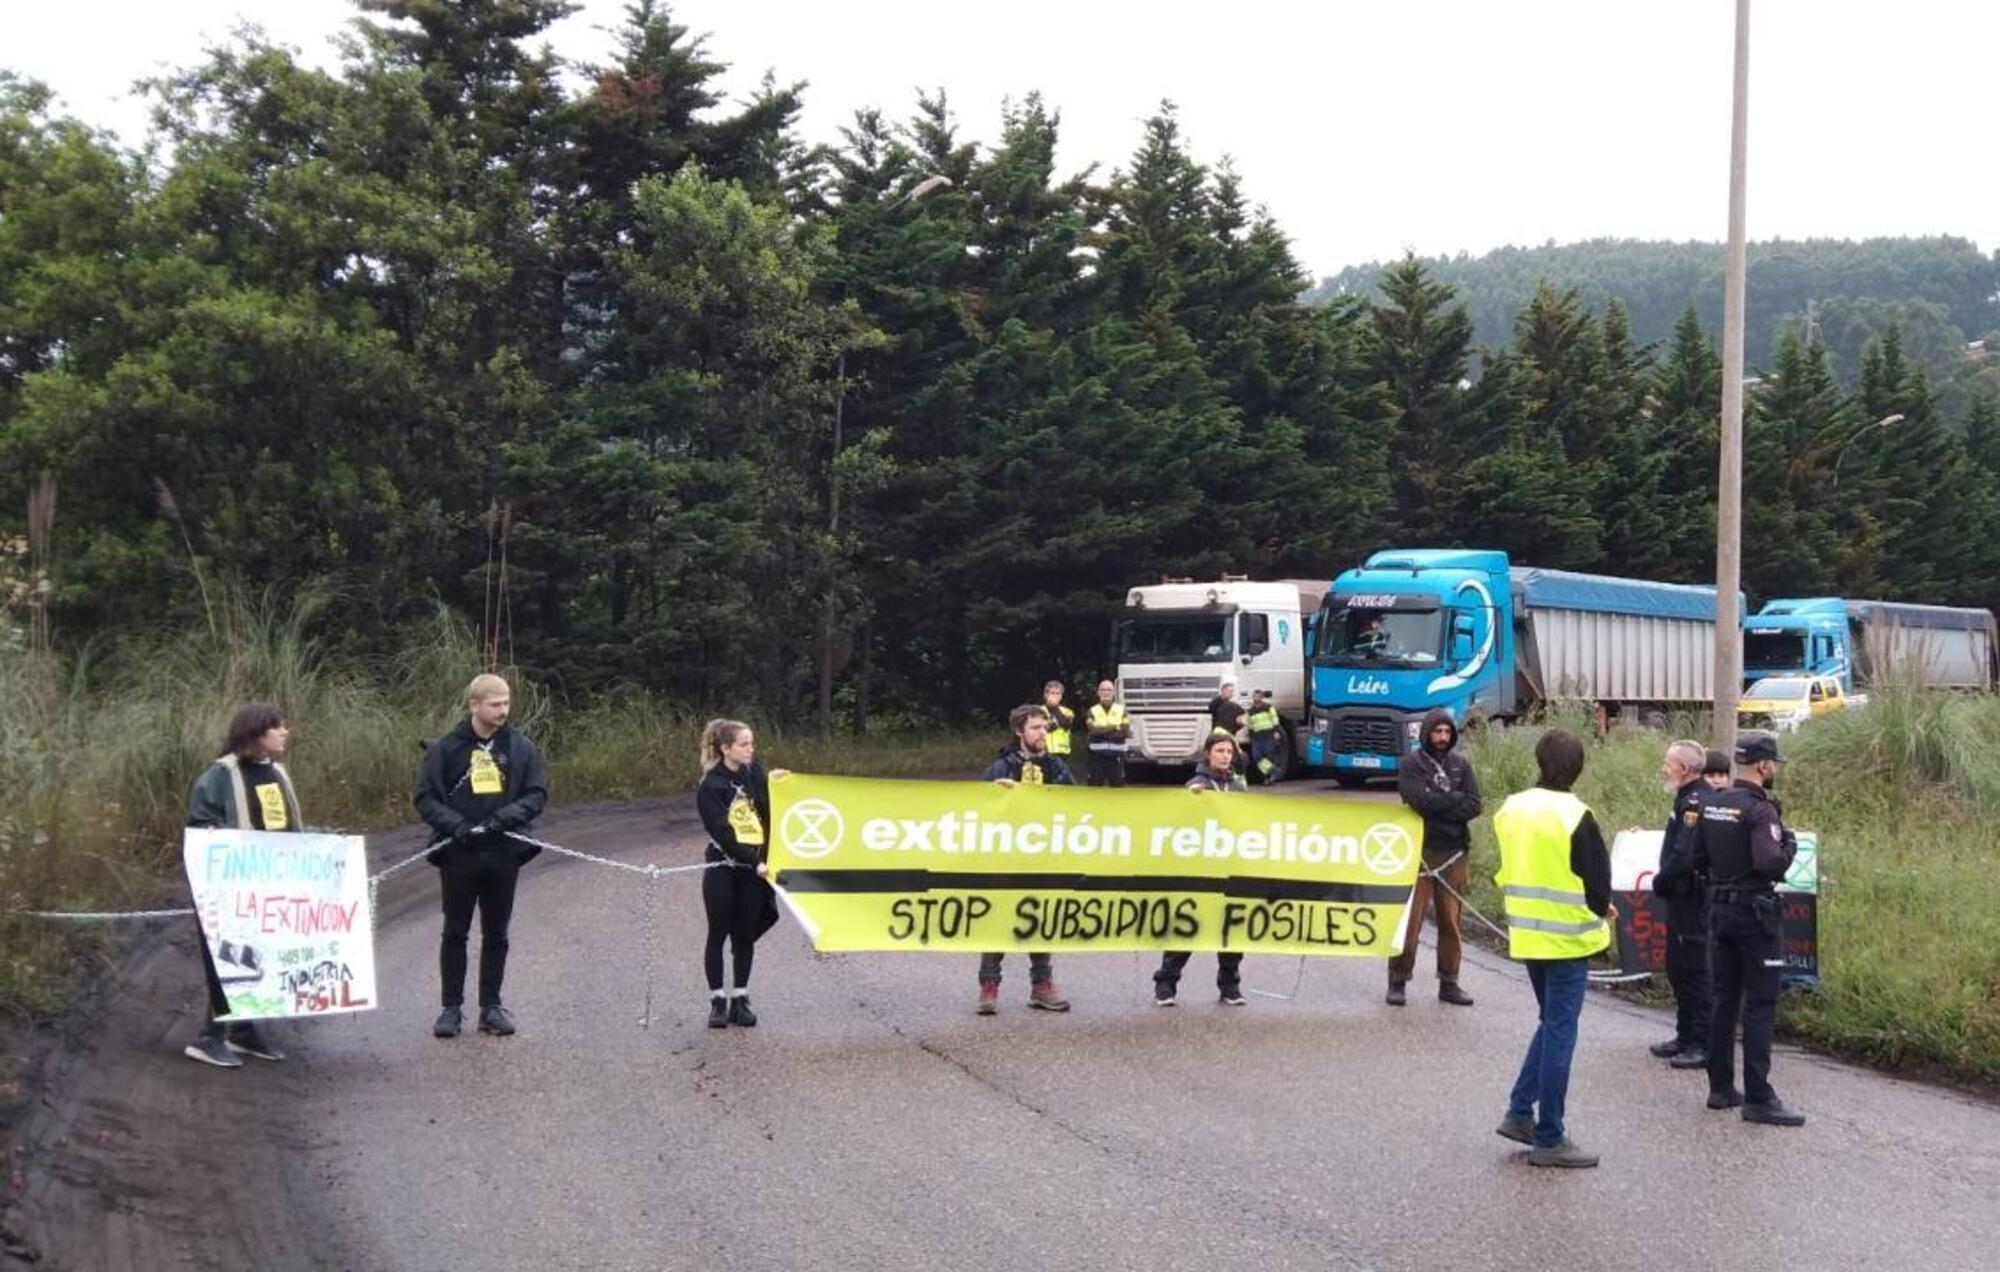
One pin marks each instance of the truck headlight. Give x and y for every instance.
(1412, 729)
(1322, 724)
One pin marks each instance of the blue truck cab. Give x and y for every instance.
(1407, 632)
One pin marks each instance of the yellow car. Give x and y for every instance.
(1781, 703)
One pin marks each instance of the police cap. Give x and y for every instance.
(1754, 748)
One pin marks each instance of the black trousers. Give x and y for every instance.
(1687, 971)
(1107, 770)
(1745, 956)
(740, 909)
(489, 888)
(1228, 972)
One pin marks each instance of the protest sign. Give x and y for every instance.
(1642, 915)
(904, 865)
(286, 920)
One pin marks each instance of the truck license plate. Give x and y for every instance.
(1366, 761)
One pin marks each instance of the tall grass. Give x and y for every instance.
(98, 751)
(1904, 793)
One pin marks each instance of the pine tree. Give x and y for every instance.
(1417, 349)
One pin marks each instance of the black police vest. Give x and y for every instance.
(1725, 829)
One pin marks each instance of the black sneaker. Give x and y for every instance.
(244, 1040)
(1395, 997)
(1773, 1112)
(1666, 1050)
(210, 1049)
(718, 1012)
(495, 1020)
(1449, 992)
(740, 1013)
(1233, 997)
(449, 1022)
(1725, 1099)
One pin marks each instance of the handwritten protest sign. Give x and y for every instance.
(286, 919)
(1642, 915)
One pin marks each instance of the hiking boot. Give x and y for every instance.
(1045, 995)
(1519, 1129)
(740, 1013)
(495, 1020)
(449, 1022)
(1725, 1099)
(989, 1000)
(244, 1040)
(1233, 997)
(1667, 1050)
(1449, 992)
(1565, 1154)
(1773, 1112)
(718, 1012)
(1395, 997)
(210, 1049)
(1692, 1058)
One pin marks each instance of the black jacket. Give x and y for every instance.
(446, 801)
(1742, 841)
(713, 798)
(1441, 787)
(1013, 760)
(1676, 875)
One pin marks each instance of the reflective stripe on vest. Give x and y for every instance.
(1546, 912)
(1264, 720)
(1111, 717)
(1058, 734)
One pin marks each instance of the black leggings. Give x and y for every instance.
(738, 903)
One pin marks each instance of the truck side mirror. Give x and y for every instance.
(1461, 648)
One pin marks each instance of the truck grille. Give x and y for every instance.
(1167, 738)
(1358, 733)
(1169, 693)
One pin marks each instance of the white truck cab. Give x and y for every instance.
(1178, 640)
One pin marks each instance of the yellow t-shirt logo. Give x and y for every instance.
(485, 774)
(1031, 774)
(271, 802)
(743, 820)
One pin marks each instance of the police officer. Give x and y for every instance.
(1744, 848)
(1061, 719)
(1108, 728)
(1686, 897)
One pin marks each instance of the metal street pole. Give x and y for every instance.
(1729, 481)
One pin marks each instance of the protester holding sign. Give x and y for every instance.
(1217, 773)
(245, 789)
(1686, 895)
(479, 786)
(1555, 881)
(1027, 762)
(734, 800)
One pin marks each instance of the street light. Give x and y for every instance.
(1839, 458)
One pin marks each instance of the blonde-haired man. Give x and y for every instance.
(479, 787)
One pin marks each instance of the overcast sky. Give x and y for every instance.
(1367, 126)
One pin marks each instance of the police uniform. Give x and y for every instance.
(1743, 846)
(1686, 895)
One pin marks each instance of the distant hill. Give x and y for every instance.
(1947, 278)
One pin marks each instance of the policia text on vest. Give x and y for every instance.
(885, 865)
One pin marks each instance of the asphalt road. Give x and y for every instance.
(872, 1121)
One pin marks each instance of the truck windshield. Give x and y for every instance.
(1774, 649)
(1354, 637)
(1171, 638)
(1777, 690)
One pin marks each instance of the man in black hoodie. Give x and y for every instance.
(478, 785)
(1437, 782)
(1025, 762)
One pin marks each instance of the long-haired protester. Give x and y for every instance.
(1217, 773)
(734, 800)
(246, 788)
(479, 787)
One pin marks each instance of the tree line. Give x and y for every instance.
(656, 395)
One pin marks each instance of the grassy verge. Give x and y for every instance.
(96, 763)
(1904, 794)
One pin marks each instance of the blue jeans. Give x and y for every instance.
(1544, 1082)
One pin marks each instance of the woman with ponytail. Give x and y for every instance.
(734, 800)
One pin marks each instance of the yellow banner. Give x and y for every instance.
(889, 865)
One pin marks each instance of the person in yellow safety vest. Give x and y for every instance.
(1267, 735)
(1061, 718)
(1107, 729)
(1555, 881)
